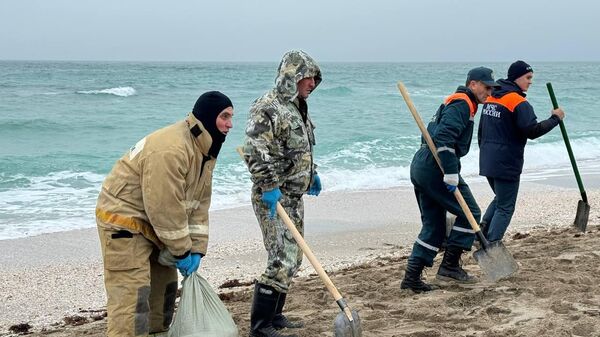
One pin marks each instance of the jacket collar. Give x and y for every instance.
(201, 137)
(506, 87)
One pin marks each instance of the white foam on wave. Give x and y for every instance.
(548, 154)
(231, 186)
(543, 160)
(118, 91)
(365, 179)
(57, 202)
(66, 200)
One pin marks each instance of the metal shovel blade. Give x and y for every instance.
(496, 261)
(582, 216)
(344, 328)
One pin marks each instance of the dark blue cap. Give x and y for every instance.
(482, 74)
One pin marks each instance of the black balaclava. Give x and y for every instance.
(208, 106)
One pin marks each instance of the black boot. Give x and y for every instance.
(280, 321)
(450, 269)
(412, 277)
(263, 310)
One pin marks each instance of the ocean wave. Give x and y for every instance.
(543, 159)
(118, 91)
(26, 124)
(65, 200)
(394, 151)
(365, 179)
(379, 163)
(336, 91)
(39, 204)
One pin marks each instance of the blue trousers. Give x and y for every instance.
(434, 201)
(501, 209)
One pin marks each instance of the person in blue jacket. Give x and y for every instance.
(507, 121)
(451, 130)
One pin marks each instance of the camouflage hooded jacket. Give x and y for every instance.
(279, 141)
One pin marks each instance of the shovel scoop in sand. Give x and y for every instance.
(343, 327)
(493, 258)
(347, 322)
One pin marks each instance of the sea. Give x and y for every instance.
(64, 124)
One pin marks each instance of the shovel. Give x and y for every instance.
(493, 257)
(347, 322)
(583, 208)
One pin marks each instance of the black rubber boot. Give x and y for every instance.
(280, 321)
(264, 305)
(450, 269)
(412, 277)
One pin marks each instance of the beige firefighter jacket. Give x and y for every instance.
(161, 188)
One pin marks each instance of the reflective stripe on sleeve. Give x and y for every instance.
(198, 229)
(462, 229)
(173, 234)
(192, 204)
(445, 148)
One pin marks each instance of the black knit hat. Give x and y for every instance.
(518, 69)
(207, 108)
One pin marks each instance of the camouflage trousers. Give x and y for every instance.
(140, 291)
(284, 254)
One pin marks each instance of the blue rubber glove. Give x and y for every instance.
(315, 187)
(451, 188)
(189, 264)
(270, 198)
(451, 181)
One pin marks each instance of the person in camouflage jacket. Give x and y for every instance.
(279, 152)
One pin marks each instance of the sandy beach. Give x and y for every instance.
(363, 238)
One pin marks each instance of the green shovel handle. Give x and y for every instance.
(563, 130)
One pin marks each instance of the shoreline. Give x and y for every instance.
(47, 277)
(591, 180)
(564, 178)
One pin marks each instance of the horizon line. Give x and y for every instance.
(276, 61)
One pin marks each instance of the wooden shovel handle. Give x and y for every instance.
(309, 255)
(312, 258)
(431, 144)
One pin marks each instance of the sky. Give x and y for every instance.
(330, 30)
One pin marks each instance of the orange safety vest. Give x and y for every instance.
(465, 97)
(509, 101)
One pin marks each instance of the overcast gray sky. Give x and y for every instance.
(336, 30)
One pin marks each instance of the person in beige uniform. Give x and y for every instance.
(157, 197)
